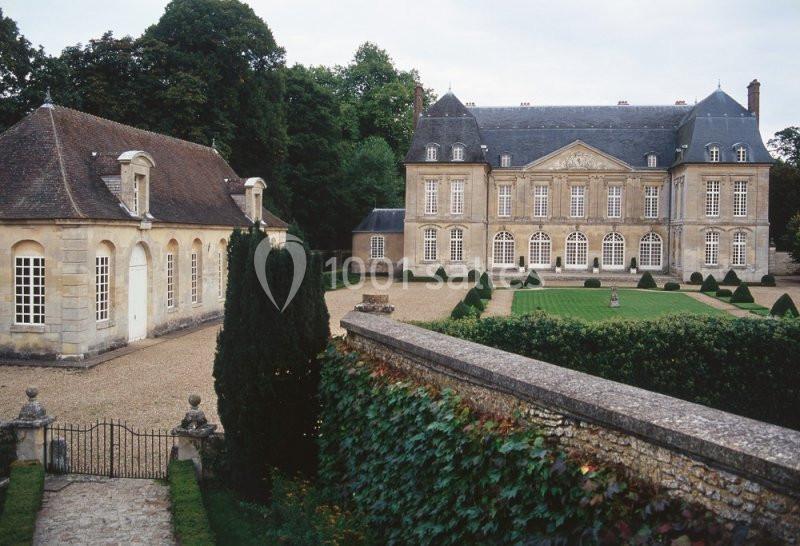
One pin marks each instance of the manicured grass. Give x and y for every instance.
(189, 517)
(592, 303)
(752, 307)
(23, 499)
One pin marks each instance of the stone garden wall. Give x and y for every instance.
(780, 263)
(741, 469)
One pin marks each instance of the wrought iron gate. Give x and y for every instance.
(108, 448)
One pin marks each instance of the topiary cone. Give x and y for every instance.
(784, 306)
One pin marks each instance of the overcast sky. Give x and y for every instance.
(542, 52)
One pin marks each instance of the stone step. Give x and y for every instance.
(606, 277)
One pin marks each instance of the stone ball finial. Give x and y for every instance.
(194, 400)
(32, 392)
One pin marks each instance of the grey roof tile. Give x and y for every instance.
(382, 221)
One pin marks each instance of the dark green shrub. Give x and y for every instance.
(472, 275)
(596, 262)
(265, 370)
(647, 281)
(709, 284)
(473, 299)
(408, 275)
(8, 451)
(723, 293)
(485, 286)
(440, 274)
(633, 263)
(768, 280)
(533, 279)
(591, 283)
(516, 283)
(732, 364)
(23, 499)
(521, 261)
(671, 286)
(558, 261)
(462, 310)
(189, 518)
(731, 279)
(696, 278)
(742, 295)
(784, 306)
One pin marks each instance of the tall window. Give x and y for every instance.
(458, 152)
(740, 198)
(712, 247)
(577, 205)
(540, 201)
(197, 281)
(650, 250)
(739, 252)
(220, 274)
(101, 286)
(431, 197)
(712, 198)
(713, 154)
(651, 201)
(429, 241)
(431, 152)
(741, 154)
(504, 200)
(170, 280)
(457, 197)
(576, 250)
(503, 249)
(457, 245)
(135, 195)
(613, 251)
(652, 160)
(29, 289)
(376, 246)
(505, 160)
(539, 250)
(614, 202)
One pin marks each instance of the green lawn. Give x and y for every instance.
(592, 303)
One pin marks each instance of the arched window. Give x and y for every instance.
(429, 241)
(712, 247)
(103, 274)
(376, 247)
(172, 273)
(741, 153)
(505, 160)
(456, 245)
(576, 250)
(739, 253)
(503, 249)
(29, 279)
(197, 271)
(431, 152)
(713, 154)
(650, 249)
(458, 152)
(613, 251)
(539, 250)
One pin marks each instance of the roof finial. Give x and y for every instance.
(719, 83)
(214, 144)
(449, 87)
(48, 98)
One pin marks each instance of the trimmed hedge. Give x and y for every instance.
(189, 518)
(558, 261)
(647, 281)
(596, 262)
(473, 299)
(731, 279)
(516, 283)
(472, 275)
(784, 306)
(440, 274)
(742, 295)
(462, 310)
(709, 285)
(733, 364)
(723, 293)
(422, 468)
(671, 286)
(532, 279)
(696, 278)
(768, 280)
(633, 263)
(485, 286)
(591, 283)
(23, 499)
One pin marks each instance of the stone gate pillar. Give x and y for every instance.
(30, 428)
(192, 433)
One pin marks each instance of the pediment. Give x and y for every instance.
(578, 156)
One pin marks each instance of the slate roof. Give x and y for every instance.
(628, 133)
(53, 162)
(382, 221)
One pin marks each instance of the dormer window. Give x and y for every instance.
(741, 154)
(652, 160)
(505, 160)
(254, 198)
(135, 166)
(431, 152)
(136, 189)
(713, 154)
(458, 152)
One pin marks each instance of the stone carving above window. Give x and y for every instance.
(580, 160)
(578, 156)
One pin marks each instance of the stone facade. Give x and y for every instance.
(742, 470)
(392, 257)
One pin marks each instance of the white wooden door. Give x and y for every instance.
(137, 294)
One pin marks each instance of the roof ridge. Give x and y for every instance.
(61, 168)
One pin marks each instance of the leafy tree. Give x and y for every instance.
(784, 201)
(265, 370)
(786, 144)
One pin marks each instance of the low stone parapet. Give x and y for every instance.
(741, 469)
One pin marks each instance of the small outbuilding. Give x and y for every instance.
(378, 242)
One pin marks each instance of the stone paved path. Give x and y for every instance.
(500, 304)
(95, 510)
(719, 304)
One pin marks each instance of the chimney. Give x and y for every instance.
(680, 102)
(622, 103)
(417, 105)
(753, 98)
